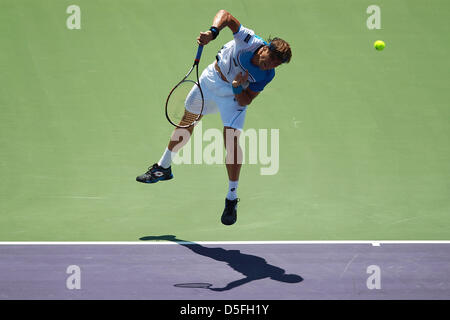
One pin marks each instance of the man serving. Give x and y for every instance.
(243, 68)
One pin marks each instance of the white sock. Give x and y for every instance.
(232, 190)
(166, 159)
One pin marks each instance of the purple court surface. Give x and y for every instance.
(177, 270)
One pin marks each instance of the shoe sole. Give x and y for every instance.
(229, 224)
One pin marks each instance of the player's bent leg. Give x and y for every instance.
(193, 107)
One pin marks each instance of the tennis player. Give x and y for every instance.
(243, 68)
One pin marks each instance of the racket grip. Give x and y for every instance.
(199, 54)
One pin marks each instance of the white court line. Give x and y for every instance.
(152, 242)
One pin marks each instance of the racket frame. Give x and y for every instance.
(195, 65)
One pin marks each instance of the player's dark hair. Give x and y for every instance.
(280, 49)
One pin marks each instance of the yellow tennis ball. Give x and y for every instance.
(379, 45)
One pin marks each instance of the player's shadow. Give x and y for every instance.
(252, 267)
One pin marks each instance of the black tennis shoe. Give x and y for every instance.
(155, 173)
(229, 215)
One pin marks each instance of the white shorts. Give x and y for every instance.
(219, 97)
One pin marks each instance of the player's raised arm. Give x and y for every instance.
(224, 19)
(221, 20)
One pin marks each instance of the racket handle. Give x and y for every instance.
(199, 54)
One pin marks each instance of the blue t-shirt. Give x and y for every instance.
(259, 78)
(236, 55)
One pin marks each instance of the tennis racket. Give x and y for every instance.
(186, 92)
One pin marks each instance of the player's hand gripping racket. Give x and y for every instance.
(186, 92)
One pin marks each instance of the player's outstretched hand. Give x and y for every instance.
(205, 38)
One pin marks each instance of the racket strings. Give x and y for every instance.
(186, 95)
(188, 118)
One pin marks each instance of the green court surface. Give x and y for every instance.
(363, 135)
